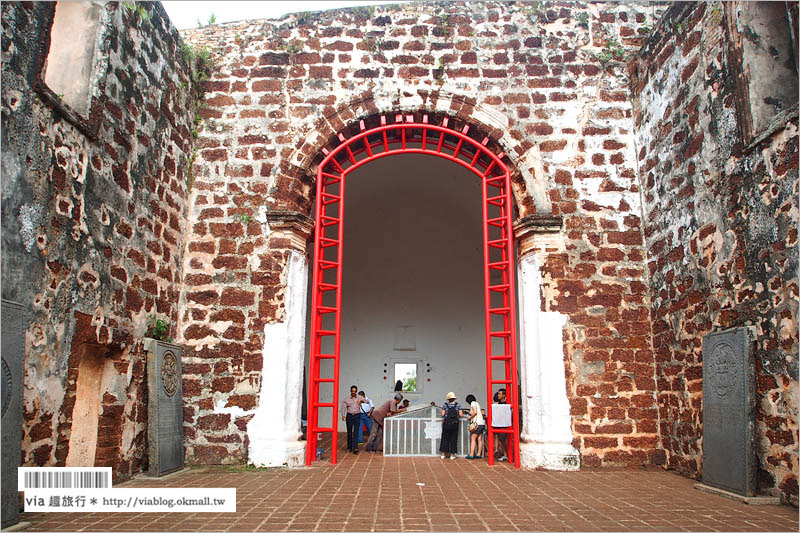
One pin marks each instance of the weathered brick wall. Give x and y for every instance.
(529, 77)
(721, 234)
(93, 229)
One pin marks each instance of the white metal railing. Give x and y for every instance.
(418, 432)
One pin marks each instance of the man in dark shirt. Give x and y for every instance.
(351, 407)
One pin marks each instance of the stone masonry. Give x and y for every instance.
(654, 169)
(526, 76)
(720, 221)
(93, 221)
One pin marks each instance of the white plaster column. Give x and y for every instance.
(274, 430)
(546, 439)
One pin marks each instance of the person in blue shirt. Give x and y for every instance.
(366, 412)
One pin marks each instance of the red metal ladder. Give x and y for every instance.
(407, 136)
(501, 320)
(326, 306)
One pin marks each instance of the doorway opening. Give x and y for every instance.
(494, 204)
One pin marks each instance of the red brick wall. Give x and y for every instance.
(529, 79)
(721, 234)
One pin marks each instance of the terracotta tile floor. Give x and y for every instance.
(458, 495)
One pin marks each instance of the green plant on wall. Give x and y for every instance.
(200, 63)
(445, 25)
(533, 10)
(365, 11)
(158, 329)
(439, 73)
(612, 51)
(138, 12)
(290, 47)
(373, 44)
(717, 14)
(675, 25)
(197, 119)
(188, 170)
(244, 219)
(212, 19)
(242, 42)
(583, 19)
(143, 14)
(304, 18)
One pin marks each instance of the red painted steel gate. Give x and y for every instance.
(408, 137)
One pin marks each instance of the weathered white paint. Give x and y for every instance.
(546, 439)
(72, 51)
(275, 428)
(221, 407)
(532, 170)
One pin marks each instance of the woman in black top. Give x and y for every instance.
(450, 413)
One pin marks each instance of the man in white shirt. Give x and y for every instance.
(501, 419)
(366, 413)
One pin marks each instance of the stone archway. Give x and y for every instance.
(546, 434)
(299, 167)
(408, 135)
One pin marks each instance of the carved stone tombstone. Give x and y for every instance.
(14, 324)
(165, 407)
(729, 458)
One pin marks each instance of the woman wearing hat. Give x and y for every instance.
(450, 413)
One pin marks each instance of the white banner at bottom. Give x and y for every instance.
(141, 500)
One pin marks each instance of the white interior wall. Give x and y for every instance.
(412, 268)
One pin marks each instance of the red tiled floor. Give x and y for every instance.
(368, 492)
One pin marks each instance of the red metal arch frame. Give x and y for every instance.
(408, 137)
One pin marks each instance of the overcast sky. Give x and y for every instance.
(186, 14)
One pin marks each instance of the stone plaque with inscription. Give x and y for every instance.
(729, 459)
(14, 324)
(165, 408)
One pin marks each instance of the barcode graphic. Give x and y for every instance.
(61, 478)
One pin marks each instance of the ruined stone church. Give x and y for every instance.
(593, 205)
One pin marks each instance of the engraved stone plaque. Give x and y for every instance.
(12, 353)
(165, 408)
(729, 459)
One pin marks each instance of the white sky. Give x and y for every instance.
(186, 14)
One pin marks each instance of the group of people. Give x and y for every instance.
(452, 411)
(359, 413)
